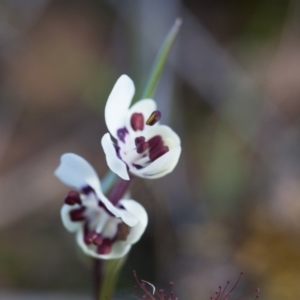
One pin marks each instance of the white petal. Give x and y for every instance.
(161, 166)
(145, 107)
(119, 248)
(65, 216)
(140, 213)
(111, 227)
(76, 172)
(118, 103)
(128, 218)
(113, 161)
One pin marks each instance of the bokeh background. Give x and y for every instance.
(231, 89)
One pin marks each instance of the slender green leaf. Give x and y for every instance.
(161, 60)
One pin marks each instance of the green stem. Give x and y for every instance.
(98, 276)
(107, 272)
(111, 271)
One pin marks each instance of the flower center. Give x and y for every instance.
(140, 152)
(101, 227)
(151, 149)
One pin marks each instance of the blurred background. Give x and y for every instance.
(231, 90)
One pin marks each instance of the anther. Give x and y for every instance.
(155, 142)
(77, 214)
(154, 118)
(105, 247)
(73, 198)
(142, 147)
(89, 237)
(158, 152)
(139, 140)
(137, 121)
(98, 240)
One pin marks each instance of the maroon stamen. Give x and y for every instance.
(121, 134)
(154, 118)
(158, 152)
(122, 232)
(139, 140)
(155, 142)
(89, 237)
(77, 214)
(137, 121)
(142, 147)
(98, 240)
(73, 198)
(105, 247)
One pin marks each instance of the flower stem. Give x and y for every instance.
(111, 270)
(97, 274)
(118, 190)
(106, 272)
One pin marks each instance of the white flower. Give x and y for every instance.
(103, 230)
(143, 146)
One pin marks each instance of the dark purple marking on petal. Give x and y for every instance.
(120, 206)
(142, 147)
(73, 198)
(105, 247)
(87, 190)
(139, 140)
(155, 142)
(154, 118)
(138, 166)
(77, 214)
(158, 152)
(117, 150)
(100, 204)
(137, 121)
(121, 134)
